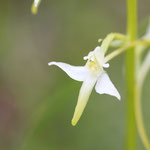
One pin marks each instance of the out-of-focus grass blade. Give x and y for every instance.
(43, 114)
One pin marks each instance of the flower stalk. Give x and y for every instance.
(125, 48)
(130, 74)
(139, 119)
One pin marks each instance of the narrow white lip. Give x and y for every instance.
(84, 94)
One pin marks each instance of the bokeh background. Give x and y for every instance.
(37, 101)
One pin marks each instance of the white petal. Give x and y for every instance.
(84, 94)
(105, 86)
(99, 54)
(78, 73)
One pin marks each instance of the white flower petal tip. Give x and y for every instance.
(117, 96)
(51, 63)
(105, 86)
(78, 73)
(73, 123)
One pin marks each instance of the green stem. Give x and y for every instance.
(130, 74)
(125, 48)
(139, 119)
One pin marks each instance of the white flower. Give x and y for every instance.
(92, 73)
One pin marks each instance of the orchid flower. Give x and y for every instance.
(90, 74)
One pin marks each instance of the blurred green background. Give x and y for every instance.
(37, 101)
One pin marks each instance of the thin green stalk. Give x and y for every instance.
(139, 119)
(142, 71)
(125, 48)
(130, 74)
